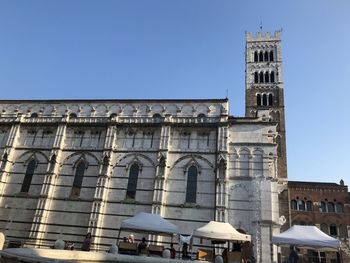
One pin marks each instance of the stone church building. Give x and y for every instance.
(69, 167)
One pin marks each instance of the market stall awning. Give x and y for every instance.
(151, 223)
(220, 231)
(306, 236)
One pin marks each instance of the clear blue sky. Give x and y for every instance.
(188, 49)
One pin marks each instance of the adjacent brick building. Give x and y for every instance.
(325, 205)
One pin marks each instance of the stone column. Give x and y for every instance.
(161, 172)
(42, 212)
(221, 176)
(96, 221)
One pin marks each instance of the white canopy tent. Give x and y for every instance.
(220, 231)
(150, 223)
(306, 236)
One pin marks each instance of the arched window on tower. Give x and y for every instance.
(191, 189)
(272, 77)
(258, 100)
(261, 79)
(264, 100)
(256, 56)
(256, 77)
(78, 179)
(132, 183)
(28, 176)
(267, 77)
(266, 56)
(261, 56)
(270, 99)
(271, 56)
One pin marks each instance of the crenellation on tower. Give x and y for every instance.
(259, 36)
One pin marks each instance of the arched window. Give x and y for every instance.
(264, 100)
(330, 207)
(322, 206)
(270, 99)
(256, 77)
(266, 56)
(201, 115)
(261, 56)
(333, 230)
(191, 189)
(339, 208)
(267, 79)
(293, 205)
(272, 77)
(255, 56)
(261, 79)
(72, 115)
(52, 163)
(258, 99)
(301, 205)
(78, 179)
(28, 176)
(308, 206)
(271, 56)
(34, 115)
(132, 183)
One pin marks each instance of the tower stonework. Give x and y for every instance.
(265, 98)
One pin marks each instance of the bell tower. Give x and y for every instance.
(264, 88)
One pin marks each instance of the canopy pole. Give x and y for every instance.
(341, 255)
(118, 235)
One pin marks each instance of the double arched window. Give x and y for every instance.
(28, 176)
(264, 77)
(191, 189)
(132, 183)
(263, 56)
(78, 179)
(264, 99)
(301, 205)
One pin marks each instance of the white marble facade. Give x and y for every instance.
(234, 159)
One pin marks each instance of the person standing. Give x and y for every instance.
(293, 256)
(87, 242)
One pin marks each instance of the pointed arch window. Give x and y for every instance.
(132, 183)
(78, 179)
(258, 99)
(191, 189)
(271, 56)
(272, 77)
(255, 56)
(28, 176)
(293, 205)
